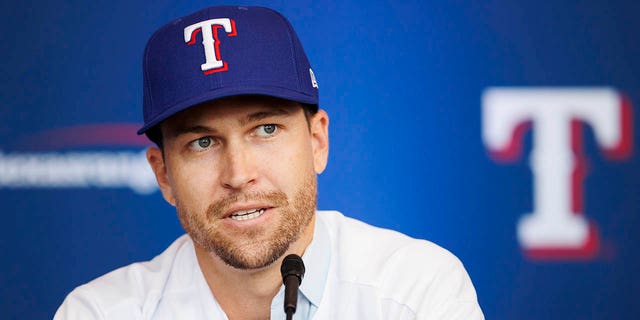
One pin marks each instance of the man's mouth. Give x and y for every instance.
(247, 214)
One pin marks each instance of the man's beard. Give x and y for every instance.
(258, 247)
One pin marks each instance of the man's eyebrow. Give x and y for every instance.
(192, 129)
(257, 116)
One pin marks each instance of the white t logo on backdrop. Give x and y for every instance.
(557, 227)
(210, 41)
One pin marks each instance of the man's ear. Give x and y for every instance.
(319, 123)
(156, 160)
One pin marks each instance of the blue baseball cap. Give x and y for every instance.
(219, 52)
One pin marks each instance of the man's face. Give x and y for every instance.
(242, 174)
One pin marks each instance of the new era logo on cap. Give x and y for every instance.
(244, 50)
(314, 83)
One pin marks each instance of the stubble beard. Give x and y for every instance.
(258, 247)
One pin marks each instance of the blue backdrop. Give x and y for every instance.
(402, 83)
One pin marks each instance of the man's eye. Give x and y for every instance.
(266, 129)
(202, 143)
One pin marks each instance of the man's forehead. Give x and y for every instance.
(243, 108)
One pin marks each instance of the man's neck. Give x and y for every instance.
(247, 294)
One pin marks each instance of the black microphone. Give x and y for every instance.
(292, 271)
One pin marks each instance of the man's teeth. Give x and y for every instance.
(247, 214)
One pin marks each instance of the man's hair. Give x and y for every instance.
(155, 133)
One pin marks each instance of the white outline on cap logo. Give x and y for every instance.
(210, 41)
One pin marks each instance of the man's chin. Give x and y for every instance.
(252, 261)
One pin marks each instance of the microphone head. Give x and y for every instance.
(292, 265)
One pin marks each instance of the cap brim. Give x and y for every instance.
(276, 92)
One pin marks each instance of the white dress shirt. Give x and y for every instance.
(353, 271)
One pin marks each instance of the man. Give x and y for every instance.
(232, 103)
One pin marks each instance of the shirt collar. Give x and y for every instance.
(316, 259)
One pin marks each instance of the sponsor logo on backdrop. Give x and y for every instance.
(211, 41)
(55, 159)
(557, 227)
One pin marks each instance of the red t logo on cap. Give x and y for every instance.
(210, 41)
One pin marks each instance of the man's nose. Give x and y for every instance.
(240, 166)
